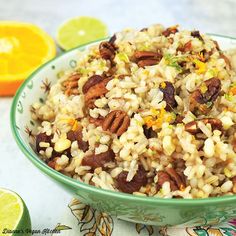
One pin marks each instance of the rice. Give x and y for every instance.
(151, 113)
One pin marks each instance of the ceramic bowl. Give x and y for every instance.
(146, 210)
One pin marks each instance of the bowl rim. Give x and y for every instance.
(34, 158)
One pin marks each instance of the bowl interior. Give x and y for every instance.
(35, 89)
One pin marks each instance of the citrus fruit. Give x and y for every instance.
(23, 47)
(80, 30)
(14, 215)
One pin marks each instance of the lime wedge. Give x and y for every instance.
(80, 30)
(14, 215)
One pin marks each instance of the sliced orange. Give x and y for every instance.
(23, 48)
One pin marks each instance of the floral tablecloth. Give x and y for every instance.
(82, 220)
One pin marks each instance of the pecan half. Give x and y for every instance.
(96, 91)
(116, 122)
(192, 127)
(93, 80)
(179, 119)
(96, 122)
(147, 58)
(70, 86)
(146, 54)
(164, 177)
(77, 136)
(202, 102)
(147, 62)
(107, 50)
(171, 30)
(53, 163)
(176, 180)
(98, 160)
(186, 47)
(180, 182)
(139, 180)
(168, 91)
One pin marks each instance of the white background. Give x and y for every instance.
(41, 195)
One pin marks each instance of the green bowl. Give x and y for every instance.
(146, 210)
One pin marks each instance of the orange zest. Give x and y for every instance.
(158, 118)
(201, 66)
(23, 48)
(233, 90)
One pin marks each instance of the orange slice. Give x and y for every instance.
(23, 48)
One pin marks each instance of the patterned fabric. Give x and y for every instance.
(82, 220)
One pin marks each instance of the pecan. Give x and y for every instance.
(179, 119)
(139, 180)
(70, 86)
(164, 177)
(180, 182)
(202, 102)
(176, 180)
(107, 50)
(146, 54)
(52, 163)
(96, 91)
(77, 136)
(98, 160)
(168, 91)
(169, 31)
(196, 34)
(42, 137)
(147, 58)
(116, 122)
(147, 62)
(186, 47)
(192, 127)
(93, 80)
(96, 122)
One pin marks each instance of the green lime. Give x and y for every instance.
(14, 215)
(80, 30)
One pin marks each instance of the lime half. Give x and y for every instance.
(80, 30)
(14, 215)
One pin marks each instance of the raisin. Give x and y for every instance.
(77, 136)
(202, 103)
(149, 132)
(42, 137)
(196, 34)
(168, 95)
(139, 180)
(98, 160)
